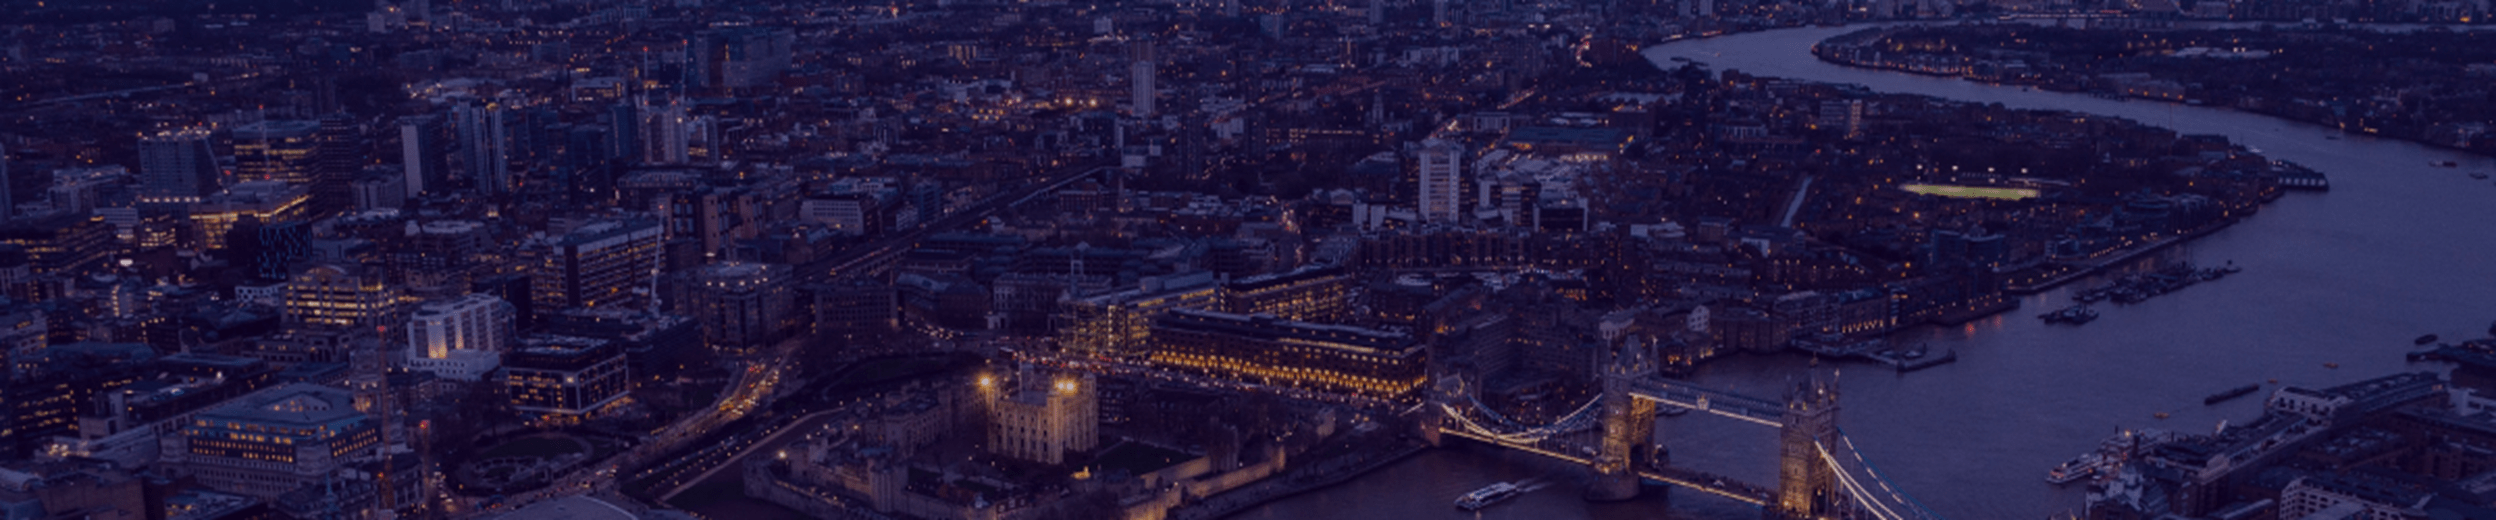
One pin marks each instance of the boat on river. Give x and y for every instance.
(2089, 295)
(1488, 495)
(2075, 469)
(2076, 315)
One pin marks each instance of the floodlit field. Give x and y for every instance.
(1972, 191)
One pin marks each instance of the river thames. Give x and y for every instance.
(2396, 249)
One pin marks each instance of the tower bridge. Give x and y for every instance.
(1819, 473)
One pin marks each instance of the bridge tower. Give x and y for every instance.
(1628, 425)
(1806, 485)
(1446, 386)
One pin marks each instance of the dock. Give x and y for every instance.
(2090, 267)
(1905, 364)
(1902, 360)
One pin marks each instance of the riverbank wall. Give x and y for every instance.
(1317, 476)
(1958, 67)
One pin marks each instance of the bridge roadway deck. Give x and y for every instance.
(1688, 478)
(1728, 404)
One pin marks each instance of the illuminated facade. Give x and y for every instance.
(717, 216)
(177, 167)
(1273, 351)
(742, 305)
(61, 243)
(1444, 247)
(1119, 324)
(342, 156)
(1806, 486)
(1441, 172)
(268, 201)
(332, 296)
(277, 151)
(306, 346)
(483, 145)
(48, 389)
(599, 265)
(1041, 418)
(1319, 293)
(459, 339)
(856, 306)
(1844, 116)
(565, 375)
(23, 334)
(268, 443)
(670, 129)
(127, 424)
(851, 214)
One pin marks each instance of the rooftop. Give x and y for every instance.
(277, 128)
(597, 231)
(257, 192)
(2371, 488)
(1304, 273)
(297, 404)
(1267, 327)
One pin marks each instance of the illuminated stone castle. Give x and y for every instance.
(1041, 417)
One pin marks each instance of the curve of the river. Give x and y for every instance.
(2396, 249)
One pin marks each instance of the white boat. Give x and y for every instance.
(2075, 469)
(1491, 494)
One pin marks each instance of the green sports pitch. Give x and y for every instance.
(1971, 191)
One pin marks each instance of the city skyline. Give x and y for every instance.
(1249, 259)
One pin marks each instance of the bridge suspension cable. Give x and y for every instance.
(1906, 501)
(1579, 419)
(1878, 498)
